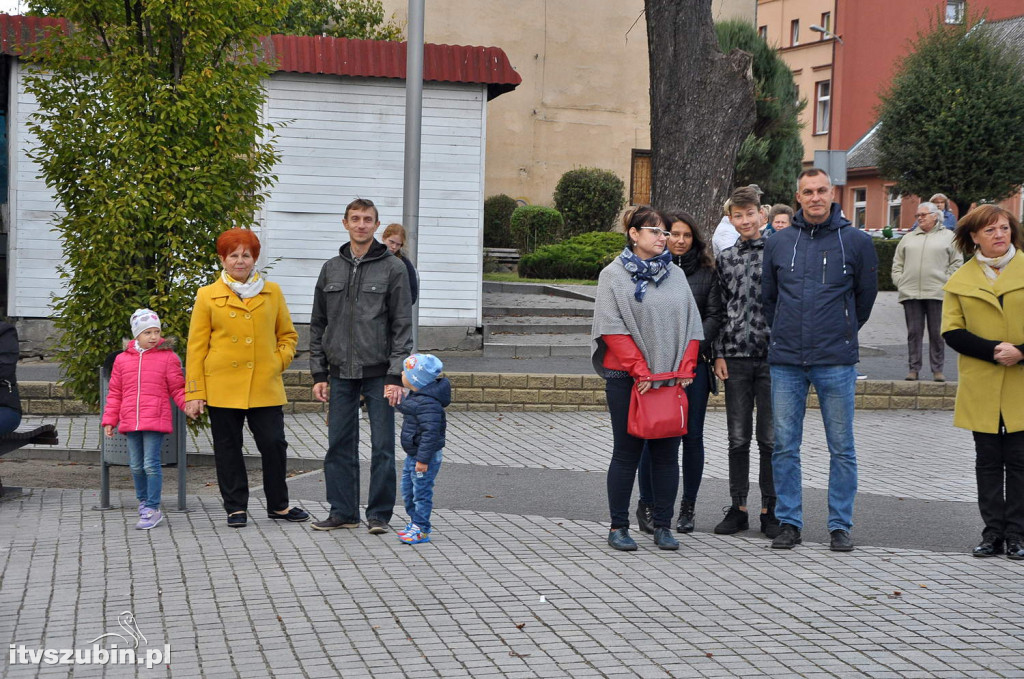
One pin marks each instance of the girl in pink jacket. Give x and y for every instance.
(145, 376)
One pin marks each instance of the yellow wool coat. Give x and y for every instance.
(238, 349)
(987, 389)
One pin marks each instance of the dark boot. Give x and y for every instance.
(685, 523)
(645, 517)
(769, 524)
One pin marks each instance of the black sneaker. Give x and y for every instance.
(644, 517)
(332, 522)
(735, 520)
(294, 515)
(840, 541)
(770, 526)
(377, 526)
(788, 537)
(685, 523)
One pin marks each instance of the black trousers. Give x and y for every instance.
(917, 312)
(749, 386)
(267, 427)
(999, 468)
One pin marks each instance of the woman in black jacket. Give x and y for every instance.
(10, 403)
(691, 254)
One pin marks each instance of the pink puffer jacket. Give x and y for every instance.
(140, 386)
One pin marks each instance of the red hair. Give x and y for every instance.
(229, 241)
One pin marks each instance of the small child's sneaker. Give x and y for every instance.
(414, 536)
(408, 527)
(151, 519)
(142, 508)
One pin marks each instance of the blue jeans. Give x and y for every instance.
(341, 465)
(9, 419)
(144, 459)
(835, 385)
(626, 451)
(693, 441)
(418, 490)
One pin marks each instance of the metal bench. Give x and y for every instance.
(44, 435)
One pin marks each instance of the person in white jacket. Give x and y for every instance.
(925, 259)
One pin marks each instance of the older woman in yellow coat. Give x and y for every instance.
(983, 320)
(240, 340)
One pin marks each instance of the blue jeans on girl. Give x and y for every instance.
(418, 490)
(144, 459)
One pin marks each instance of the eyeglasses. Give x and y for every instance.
(656, 230)
(922, 215)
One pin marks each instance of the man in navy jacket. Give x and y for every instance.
(819, 283)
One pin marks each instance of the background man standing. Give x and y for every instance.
(360, 331)
(819, 284)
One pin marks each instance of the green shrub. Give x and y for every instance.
(535, 225)
(581, 257)
(885, 248)
(589, 199)
(497, 221)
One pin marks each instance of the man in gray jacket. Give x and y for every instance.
(360, 331)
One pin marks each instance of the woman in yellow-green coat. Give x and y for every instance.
(983, 320)
(240, 340)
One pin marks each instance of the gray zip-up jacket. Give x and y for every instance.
(361, 323)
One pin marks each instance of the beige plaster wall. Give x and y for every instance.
(584, 97)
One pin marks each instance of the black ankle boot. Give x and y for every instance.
(645, 517)
(685, 523)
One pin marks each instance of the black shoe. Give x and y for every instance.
(238, 519)
(1015, 548)
(377, 526)
(735, 520)
(990, 546)
(332, 522)
(788, 537)
(645, 517)
(663, 538)
(840, 541)
(685, 523)
(294, 514)
(770, 525)
(619, 539)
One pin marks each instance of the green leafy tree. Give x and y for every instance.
(149, 136)
(772, 154)
(952, 120)
(589, 199)
(362, 19)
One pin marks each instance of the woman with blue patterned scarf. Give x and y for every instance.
(645, 322)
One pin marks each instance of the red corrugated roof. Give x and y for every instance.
(333, 56)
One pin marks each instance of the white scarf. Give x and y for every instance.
(993, 265)
(250, 288)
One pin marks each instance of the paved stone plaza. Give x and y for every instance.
(512, 594)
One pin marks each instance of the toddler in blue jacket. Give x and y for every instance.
(423, 428)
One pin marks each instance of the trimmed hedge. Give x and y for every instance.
(589, 199)
(535, 225)
(580, 257)
(498, 221)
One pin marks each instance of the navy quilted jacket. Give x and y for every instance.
(423, 421)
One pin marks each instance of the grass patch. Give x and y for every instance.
(507, 277)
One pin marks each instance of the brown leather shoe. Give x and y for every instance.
(911, 376)
(938, 377)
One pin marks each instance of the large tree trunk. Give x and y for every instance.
(702, 108)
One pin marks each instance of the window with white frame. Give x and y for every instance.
(823, 107)
(826, 23)
(860, 208)
(895, 208)
(954, 11)
(762, 33)
(794, 32)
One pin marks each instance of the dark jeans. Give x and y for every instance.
(749, 386)
(341, 465)
(626, 451)
(267, 427)
(693, 441)
(1000, 465)
(9, 419)
(916, 312)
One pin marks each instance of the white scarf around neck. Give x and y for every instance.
(991, 266)
(250, 288)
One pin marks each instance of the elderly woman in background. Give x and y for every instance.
(645, 322)
(693, 255)
(240, 340)
(940, 201)
(925, 259)
(394, 238)
(779, 218)
(983, 320)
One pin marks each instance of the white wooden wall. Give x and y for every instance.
(339, 138)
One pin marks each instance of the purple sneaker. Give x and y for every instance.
(151, 519)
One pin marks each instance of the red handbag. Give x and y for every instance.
(660, 413)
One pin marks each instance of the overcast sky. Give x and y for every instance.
(12, 6)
